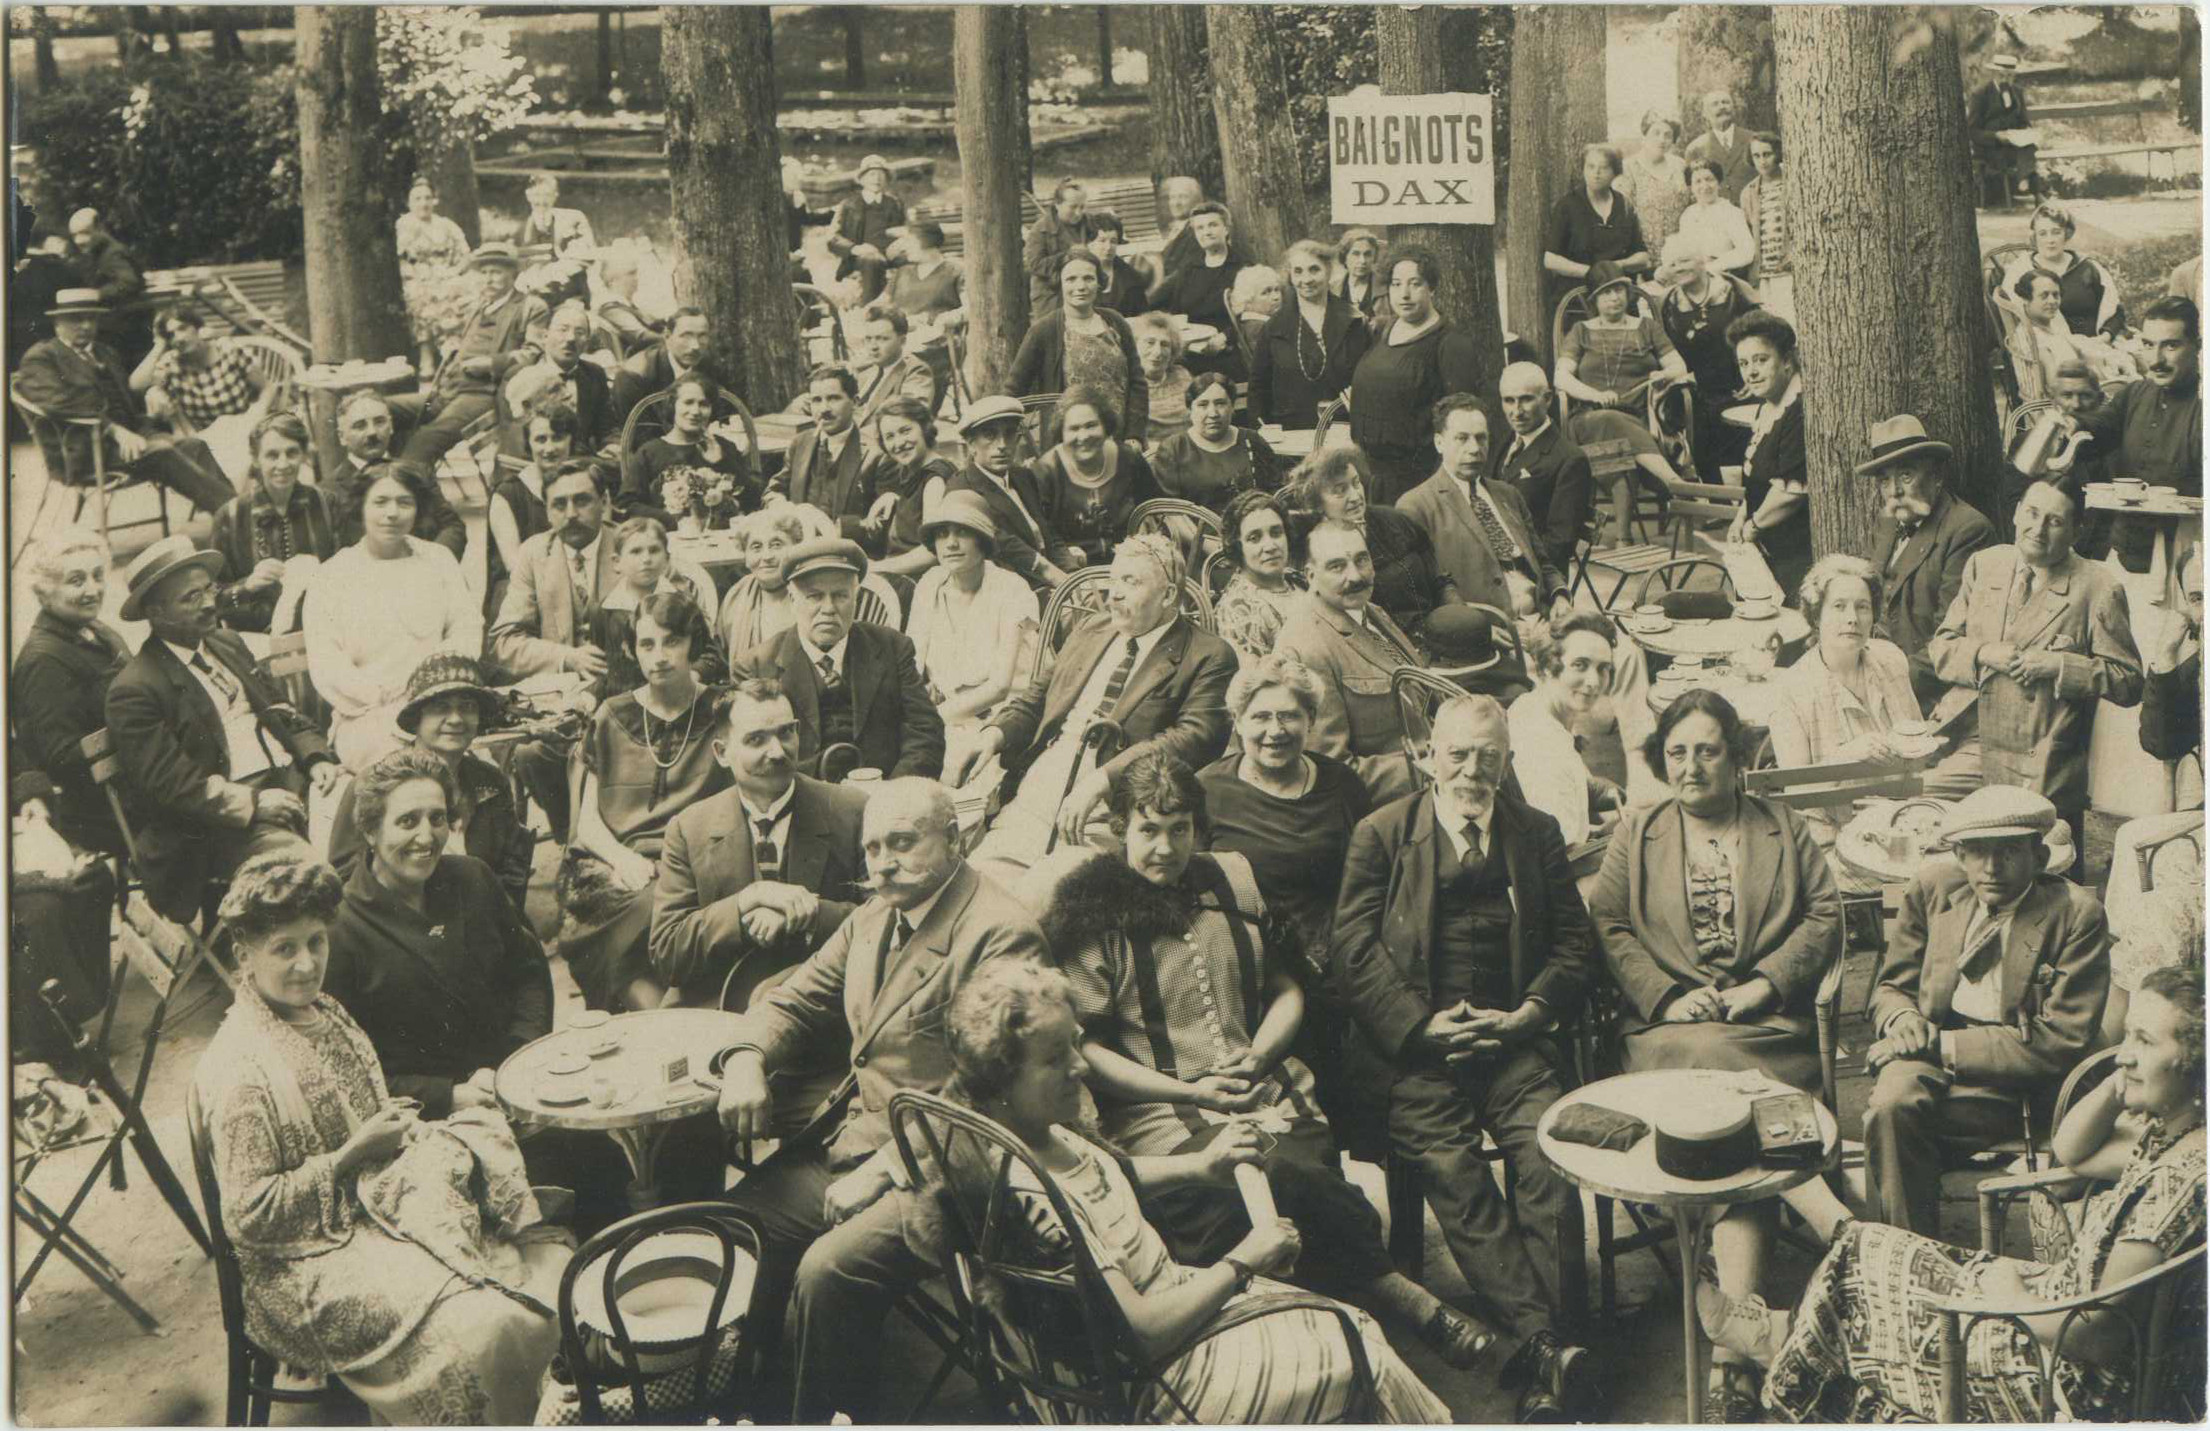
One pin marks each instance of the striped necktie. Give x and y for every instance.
(1118, 683)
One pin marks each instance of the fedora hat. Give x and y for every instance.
(76, 300)
(1899, 437)
(440, 674)
(984, 411)
(157, 564)
(497, 251)
(960, 509)
(824, 554)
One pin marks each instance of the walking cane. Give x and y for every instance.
(1101, 735)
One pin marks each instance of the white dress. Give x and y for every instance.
(369, 623)
(1551, 773)
(961, 641)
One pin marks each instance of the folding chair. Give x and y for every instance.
(47, 431)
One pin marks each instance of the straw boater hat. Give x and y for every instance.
(824, 554)
(1899, 437)
(985, 411)
(2007, 64)
(440, 675)
(960, 509)
(156, 564)
(495, 252)
(76, 301)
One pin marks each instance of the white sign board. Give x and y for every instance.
(1412, 159)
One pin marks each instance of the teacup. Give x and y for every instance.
(2128, 486)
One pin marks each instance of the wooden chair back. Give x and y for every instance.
(878, 602)
(725, 403)
(1037, 410)
(1835, 785)
(107, 770)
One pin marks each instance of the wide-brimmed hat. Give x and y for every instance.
(824, 554)
(985, 411)
(495, 252)
(76, 300)
(157, 564)
(960, 509)
(1995, 812)
(1605, 274)
(2008, 64)
(444, 673)
(872, 161)
(1899, 437)
(1460, 641)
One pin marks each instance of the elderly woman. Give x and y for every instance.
(973, 623)
(377, 609)
(1592, 223)
(1017, 1059)
(1361, 285)
(1171, 1077)
(1249, 612)
(449, 704)
(1212, 459)
(1079, 344)
(1166, 381)
(408, 1258)
(1415, 358)
(1715, 223)
(648, 756)
(1305, 354)
(646, 568)
(1654, 179)
(1860, 1345)
(1609, 362)
(62, 671)
(758, 608)
(1091, 480)
(2090, 300)
(906, 474)
(277, 518)
(1719, 920)
(1254, 297)
(1573, 662)
(1407, 585)
(433, 274)
(1775, 471)
(1696, 312)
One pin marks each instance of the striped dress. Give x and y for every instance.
(1289, 1368)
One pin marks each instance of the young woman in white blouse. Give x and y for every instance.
(974, 622)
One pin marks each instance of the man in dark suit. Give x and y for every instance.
(825, 461)
(1484, 538)
(1997, 106)
(1926, 535)
(1991, 990)
(103, 263)
(1543, 463)
(73, 375)
(861, 235)
(1145, 667)
(365, 428)
(850, 682)
(495, 341)
(755, 878)
(657, 368)
(214, 764)
(991, 430)
(1725, 143)
(566, 373)
(1463, 947)
(837, 1255)
(1060, 225)
(1349, 643)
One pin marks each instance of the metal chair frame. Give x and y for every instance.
(811, 302)
(101, 485)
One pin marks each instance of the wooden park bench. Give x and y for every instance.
(231, 298)
(2171, 149)
(1134, 201)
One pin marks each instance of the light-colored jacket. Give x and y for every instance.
(1358, 723)
(538, 623)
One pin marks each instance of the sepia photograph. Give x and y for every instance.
(1210, 714)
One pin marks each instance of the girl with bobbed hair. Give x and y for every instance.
(649, 570)
(278, 517)
(408, 1258)
(1573, 663)
(906, 474)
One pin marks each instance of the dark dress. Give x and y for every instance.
(1213, 479)
(614, 630)
(1294, 370)
(1699, 334)
(657, 457)
(247, 530)
(1578, 233)
(1406, 581)
(59, 698)
(1095, 518)
(1392, 391)
(1780, 458)
(910, 484)
(492, 828)
(1295, 846)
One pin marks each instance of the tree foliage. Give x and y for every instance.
(448, 66)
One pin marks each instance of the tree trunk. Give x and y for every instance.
(1886, 256)
(732, 254)
(42, 48)
(1725, 47)
(2190, 68)
(992, 169)
(173, 43)
(229, 49)
(1104, 46)
(1430, 49)
(606, 58)
(1264, 176)
(446, 156)
(855, 49)
(1557, 109)
(354, 305)
(1023, 75)
(1185, 132)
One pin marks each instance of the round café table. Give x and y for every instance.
(1634, 1176)
(1717, 636)
(638, 1073)
(329, 384)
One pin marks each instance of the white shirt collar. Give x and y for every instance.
(1521, 444)
(184, 653)
(774, 813)
(834, 653)
(918, 915)
(1455, 826)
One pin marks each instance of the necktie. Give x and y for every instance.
(1986, 944)
(219, 678)
(1474, 856)
(767, 861)
(827, 668)
(901, 930)
(1903, 538)
(1119, 681)
(575, 571)
(1500, 541)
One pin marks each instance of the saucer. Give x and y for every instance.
(567, 1065)
(1648, 625)
(1745, 613)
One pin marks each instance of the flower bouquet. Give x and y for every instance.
(701, 498)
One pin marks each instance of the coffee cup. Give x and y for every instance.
(865, 775)
(2131, 486)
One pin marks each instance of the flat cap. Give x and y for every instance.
(1995, 812)
(824, 554)
(984, 411)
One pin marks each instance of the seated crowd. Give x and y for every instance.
(1127, 832)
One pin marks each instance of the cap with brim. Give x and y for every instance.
(2006, 63)
(824, 554)
(873, 161)
(959, 509)
(159, 562)
(441, 675)
(1995, 812)
(495, 252)
(1607, 275)
(990, 410)
(1897, 438)
(76, 300)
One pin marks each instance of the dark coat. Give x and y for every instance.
(1024, 542)
(62, 383)
(1041, 364)
(698, 937)
(894, 722)
(169, 739)
(837, 491)
(1920, 583)
(858, 222)
(1552, 477)
(496, 834)
(1176, 700)
(59, 698)
(1280, 391)
(1385, 924)
(2171, 709)
(642, 374)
